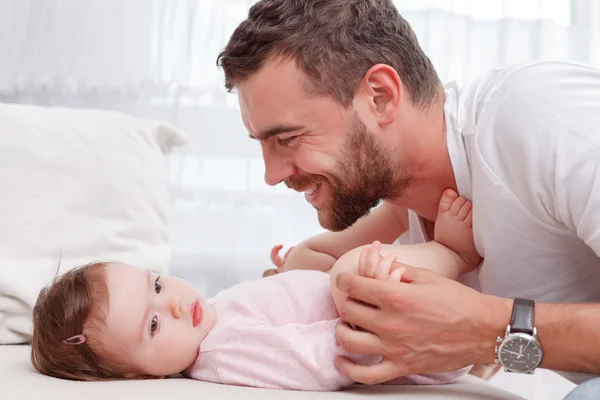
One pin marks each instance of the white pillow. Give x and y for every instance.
(76, 186)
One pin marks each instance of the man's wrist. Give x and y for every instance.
(556, 326)
(495, 314)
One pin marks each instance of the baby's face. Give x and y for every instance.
(155, 322)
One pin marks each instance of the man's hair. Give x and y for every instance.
(334, 42)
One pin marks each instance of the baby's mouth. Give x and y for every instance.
(196, 314)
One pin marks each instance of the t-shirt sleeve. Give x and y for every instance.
(545, 136)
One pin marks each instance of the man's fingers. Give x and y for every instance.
(357, 341)
(367, 290)
(356, 313)
(368, 374)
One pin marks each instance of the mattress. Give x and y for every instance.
(18, 380)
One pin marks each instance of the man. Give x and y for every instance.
(349, 110)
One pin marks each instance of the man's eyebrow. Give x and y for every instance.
(278, 130)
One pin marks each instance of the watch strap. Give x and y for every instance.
(522, 316)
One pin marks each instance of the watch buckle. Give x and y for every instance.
(500, 340)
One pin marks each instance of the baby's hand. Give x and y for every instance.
(277, 260)
(372, 265)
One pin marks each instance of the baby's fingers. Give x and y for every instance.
(396, 275)
(275, 258)
(370, 259)
(362, 262)
(383, 270)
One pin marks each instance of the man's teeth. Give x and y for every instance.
(312, 190)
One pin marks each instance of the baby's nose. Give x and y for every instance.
(176, 307)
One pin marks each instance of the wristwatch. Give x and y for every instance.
(519, 351)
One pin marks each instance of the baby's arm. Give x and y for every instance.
(431, 255)
(298, 296)
(385, 224)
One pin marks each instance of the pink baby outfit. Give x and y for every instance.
(279, 333)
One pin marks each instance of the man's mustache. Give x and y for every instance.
(303, 183)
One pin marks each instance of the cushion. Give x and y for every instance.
(19, 380)
(77, 186)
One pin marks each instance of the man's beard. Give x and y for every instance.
(365, 175)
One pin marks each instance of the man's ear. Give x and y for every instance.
(383, 88)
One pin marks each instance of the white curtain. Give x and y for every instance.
(156, 58)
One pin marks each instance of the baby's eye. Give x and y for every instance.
(157, 285)
(153, 325)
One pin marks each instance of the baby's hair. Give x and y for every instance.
(74, 305)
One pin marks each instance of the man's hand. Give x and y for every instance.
(277, 260)
(424, 324)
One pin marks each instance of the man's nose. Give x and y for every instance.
(176, 306)
(277, 167)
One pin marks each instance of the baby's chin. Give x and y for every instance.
(167, 368)
(165, 373)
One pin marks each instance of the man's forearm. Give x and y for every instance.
(569, 334)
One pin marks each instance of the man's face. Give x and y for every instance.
(317, 146)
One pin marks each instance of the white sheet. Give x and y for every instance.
(18, 380)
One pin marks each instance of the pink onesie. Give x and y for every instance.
(278, 333)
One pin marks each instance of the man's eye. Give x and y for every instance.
(287, 141)
(157, 285)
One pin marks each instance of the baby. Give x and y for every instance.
(113, 321)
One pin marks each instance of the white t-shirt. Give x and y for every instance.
(524, 142)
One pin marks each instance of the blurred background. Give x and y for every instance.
(157, 59)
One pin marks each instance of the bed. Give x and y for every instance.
(18, 380)
(84, 185)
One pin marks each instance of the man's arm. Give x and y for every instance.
(425, 324)
(569, 336)
(430, 323)
(554, 127)
(320, 252)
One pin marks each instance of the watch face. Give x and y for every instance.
(520, 352)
